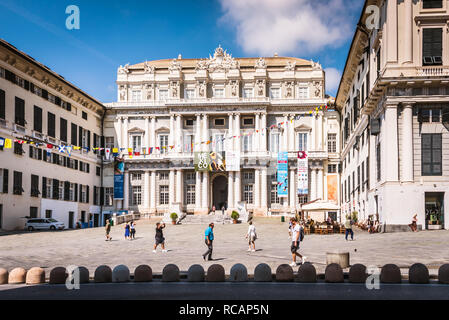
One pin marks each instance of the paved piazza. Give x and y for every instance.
(186, 244)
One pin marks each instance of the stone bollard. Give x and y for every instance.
(195, 273)
(443, 274)
(17, 276)
(58, 275)
(103, 274)
(143, 273)
(358, 274)
(83, 273)
(239, 273)
(418, 274)
(284, 273)
(3, 276)
(334, 274)
(35, 275)
(215, 273)
(390, 273)
(306, 273)
(170, 273)
(120, 274)
(339, 257)
(262, 273)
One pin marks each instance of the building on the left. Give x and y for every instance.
(50, 132)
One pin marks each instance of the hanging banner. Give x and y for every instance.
(303, 173)
(282, 173)
(232, 161)
(202, 161)
(119, 177)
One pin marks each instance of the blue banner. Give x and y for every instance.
(118, 186)
(282, 173)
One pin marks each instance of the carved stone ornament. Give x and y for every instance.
(202, 88)
(317, 86)
(174, 88)
(148, 69)
(289, 90)
(234, 88)
(261, 64)
(149, 91)
(124, 70)
(316, 65)
(260, 87)
(221, 62)
(175, 65)
(122, 93)
(291, 66)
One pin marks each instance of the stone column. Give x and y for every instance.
(391, 143)
(291, 133)
(231, 204)
(237, 141)
(120, 133)
(179, 186)
(147, 133)
(320, 132)
(320, 184)
(263, 190)
(205, 187)
(153, 133)
(408, 31)
(178, 138)
(230, 142)
(407, 143)
(205, 133)
(171, 188)
(285, 134)
(153, 187)
(312, 185)
(256, 143)
(198, 191)
(313, 135)
(171, 136)
(126, 191)
(257, 189)
(292, 189)
(392, 31)
(198, 136)
(238, 187)
(125, 134)
(264, 133)
(146, 191)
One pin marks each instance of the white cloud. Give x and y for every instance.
(333, 77)
(297, 27)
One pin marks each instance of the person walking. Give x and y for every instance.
(296, 231)
(159, 237)
(348, 227)
(414, 224)
(251, 235)
(209, 242)
(108, 230)
(127, 231)
(133, 230)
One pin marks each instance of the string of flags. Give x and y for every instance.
(68, 149)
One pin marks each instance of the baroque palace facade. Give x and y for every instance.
(394, 100)
(170, 112)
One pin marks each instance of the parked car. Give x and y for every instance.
(44, 224)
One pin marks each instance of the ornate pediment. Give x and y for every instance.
(136, 130)
(261, 64)
(291, 66)
(123, 70)
(175, 65)
(148, 69)
(303, 128)
(220, 62)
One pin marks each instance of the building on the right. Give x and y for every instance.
(394, 105)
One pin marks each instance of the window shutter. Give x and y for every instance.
(31, 151)
(101, 196)
(55, 189)
(74, 139)
(39, 154)
(51, 125)
(445, 115)
(37, 119)
(65, 161)
(76, 192)
(80, 141)
(63, 130)
(69, 106)
(26, 85)
(5, 180)
(2, 104)
(95, 196)
(45, 94)
(87, 194)
(44, 187)
(88, 139)
(45, 155)
(102, 145)
(76, 164)
(20, 112)
(66, 191)
(80, 193)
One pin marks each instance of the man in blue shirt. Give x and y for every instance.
(209, 240)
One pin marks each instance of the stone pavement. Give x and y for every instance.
(88, 247)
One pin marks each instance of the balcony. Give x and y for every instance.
(433, 71)
(414, 72)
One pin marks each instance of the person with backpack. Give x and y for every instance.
(159, 237)
(348, 227)
(297, 233)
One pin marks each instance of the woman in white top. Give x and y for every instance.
(251, 236)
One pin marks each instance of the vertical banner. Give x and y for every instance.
(232, 161)
(202, 161)
(119, 173)
(303, 173)
(282, 170)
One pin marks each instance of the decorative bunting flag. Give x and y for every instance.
(8, 144)
(107, 153)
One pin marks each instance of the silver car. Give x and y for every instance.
(43, 224)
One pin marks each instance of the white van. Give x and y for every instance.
(43, 224)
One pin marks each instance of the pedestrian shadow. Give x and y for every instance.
(218, 259)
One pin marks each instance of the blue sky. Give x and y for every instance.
(113, 33)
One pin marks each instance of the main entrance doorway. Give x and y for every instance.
(434, 210)
(220, 192)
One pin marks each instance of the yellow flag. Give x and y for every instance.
(115, 150)
(8, 144)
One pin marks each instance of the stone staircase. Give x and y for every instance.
(206, 220)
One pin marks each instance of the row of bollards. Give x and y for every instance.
(390, 273)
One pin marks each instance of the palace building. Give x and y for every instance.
(394, 101)
(243, 112)
(48, 128)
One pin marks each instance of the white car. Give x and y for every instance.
(44, 224)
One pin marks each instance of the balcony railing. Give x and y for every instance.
(433, 71)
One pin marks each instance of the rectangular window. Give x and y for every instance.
(37, 125)
(51, 125)
(274, 194)
(431, 154)
(20, 112)
(33, 212)
(17, 183)
(4, 180)
(63, 130)
(190, 94)
(248, 193)
(303, 93)
(163, 94)
(163, 176)
(34, 186)
(247, 143)
(219, 143)
(248, 93)
(302, 141)
(429, 115)
(137, 195)
(332, 142)
(275, 93)
(136, 177)
(220, 122)
(274, 142)
(432, 46)
(84, 115)
(48, 214)
(136, 143)
(109, 193)
(136, 95)
(163, 143)
(109, 141)
(432, 4)
(163, 195)
(219, 93)
(332, 168)
(363, 176)
(2, 104)
(189, 140)
(18, 148)
(248, 122)
(303, 198)
(191, 194)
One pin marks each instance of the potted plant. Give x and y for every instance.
(174, 217)
(235, 216)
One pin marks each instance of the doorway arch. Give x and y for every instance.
(220, 191)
